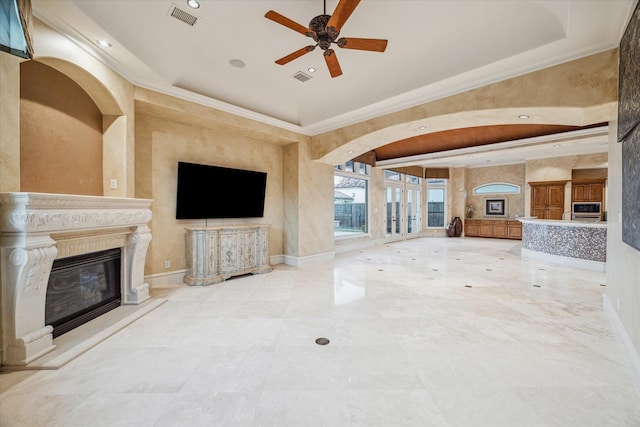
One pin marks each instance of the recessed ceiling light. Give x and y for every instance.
(238, 63)
(423, 127)
(350, 152)
(311, 69)
(556, 145)
(103, 43)
(471, 157)
(523, 116)
(193, 4)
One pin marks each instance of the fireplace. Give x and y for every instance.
(82, 288)
(39, 233)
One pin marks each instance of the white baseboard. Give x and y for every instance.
(309, 260)
(633, 359)
(276, 259)
(165, 280)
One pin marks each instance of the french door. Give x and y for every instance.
(393, 206)
(414, 210)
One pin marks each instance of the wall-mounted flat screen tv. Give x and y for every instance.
(206, 191)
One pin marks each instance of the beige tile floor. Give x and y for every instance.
(425, 332)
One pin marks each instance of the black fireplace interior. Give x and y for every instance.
(82, 288)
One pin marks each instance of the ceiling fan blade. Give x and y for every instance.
(375, 45)
(283, 20)
(340, 16)
(332, 62)
(297, 54)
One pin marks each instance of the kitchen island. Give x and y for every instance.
(572, 243)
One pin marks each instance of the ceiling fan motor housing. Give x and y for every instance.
(319, 26)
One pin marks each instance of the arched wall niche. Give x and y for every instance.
(112, 129)
(100, 94)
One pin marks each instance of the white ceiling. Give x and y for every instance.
(436, 48)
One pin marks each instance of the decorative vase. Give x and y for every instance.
(457, 226)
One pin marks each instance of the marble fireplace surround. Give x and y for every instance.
(35, 229)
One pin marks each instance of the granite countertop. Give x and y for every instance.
(563, 222)
(496, 219)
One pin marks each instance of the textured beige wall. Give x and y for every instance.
(291, 220)
(510, 174)
(9, 122)
(162, 143)
(457, 192)
(308, 203)
(60, 134)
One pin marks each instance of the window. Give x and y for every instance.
(350, 199)
(497, 188)
(436, 197)
(349, 166)
(413, 179)
(12, 35)
(392, 175)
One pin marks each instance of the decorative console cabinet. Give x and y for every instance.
(496, 228)
(216, 253)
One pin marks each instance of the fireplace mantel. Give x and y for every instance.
(35, 229)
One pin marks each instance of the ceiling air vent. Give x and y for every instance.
(183, 16)
(301, 76)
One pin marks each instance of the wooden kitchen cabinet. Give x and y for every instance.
(587, 192)
(495, 228)
(547, 199)
(471, 227)
(486, 228)
(500, 229)
(514, 230)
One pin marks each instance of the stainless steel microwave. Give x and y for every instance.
(586, 208)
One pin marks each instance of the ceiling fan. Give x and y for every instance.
(324, 30)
